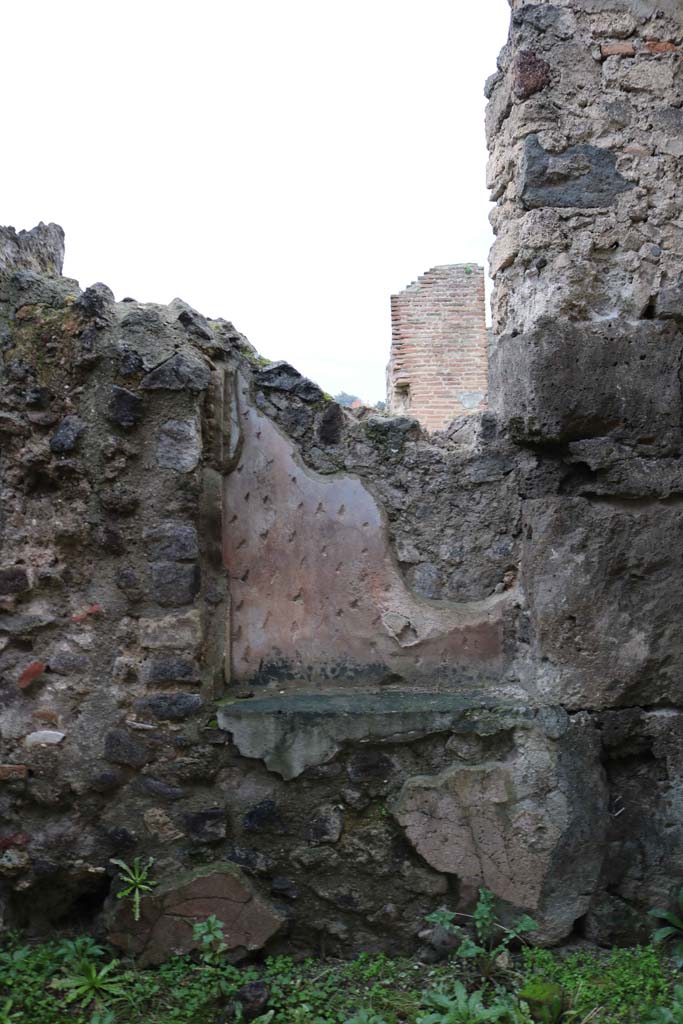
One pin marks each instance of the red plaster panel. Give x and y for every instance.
(317, 597)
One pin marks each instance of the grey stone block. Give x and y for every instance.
(568, 381)
(582, 176)
(174, 584)
(174, 707)
(172, 541)
(67, 434)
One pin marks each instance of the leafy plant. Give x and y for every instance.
(84, 947)
(88, 982)
(6, 1015)
(492, 937)
(136, 881)
(365, 1017)
(672, 1014)
(672, 931)
(103, 1017)
(460, 1007)
(209, 935)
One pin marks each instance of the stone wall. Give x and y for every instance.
(438, 366)
(335, 672)
(194, 543)
(584, 133)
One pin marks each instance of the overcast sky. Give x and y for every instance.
(285, 164)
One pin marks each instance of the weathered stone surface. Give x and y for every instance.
(122, 748)
(67, 434)
(180, 372)
(530, 74)
(172, 541)
(66, 662)
(601, 582)
(294, 733)
(14, 580)
(281, 886)
(282, 377)
(40, 250)
(567, 381)
(125, 407)
(172, 706)
(174, 584)
(167, 917)
(120, 499)
(181, 631)
(178, 446)
(527, 828)
(669, 301)
(95, 302)
(429, 607)
(160, 790)
(25, 625)
(582, 176)
(266, 817)
(170, 669)
(195, 323)
(326, 826)
(128, 581)
(206, 826)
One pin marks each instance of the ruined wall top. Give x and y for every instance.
(639, 8)
(40, 250)
(585, 130)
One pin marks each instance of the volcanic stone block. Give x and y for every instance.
(582, 176)
(179, 445)
(122, 748)
(14, 580)
(529, 827)
(167, 917)
(281, 376)
(171, 706)
(171, 541)
(171, 669)
(65, 437)
(602, 580)
(181, 372)
(174, 584)
(567, 381)
(125, 407)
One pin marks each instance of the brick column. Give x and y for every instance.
(438, 365)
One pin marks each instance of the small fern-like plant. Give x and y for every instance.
(136, 881)
(460, 1007)
(672, 931)
(86, 982)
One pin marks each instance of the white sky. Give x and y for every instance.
(285, 164)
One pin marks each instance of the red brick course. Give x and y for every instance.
(438, 367)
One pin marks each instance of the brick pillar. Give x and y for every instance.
(438, 365)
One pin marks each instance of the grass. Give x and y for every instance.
(73, 983)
